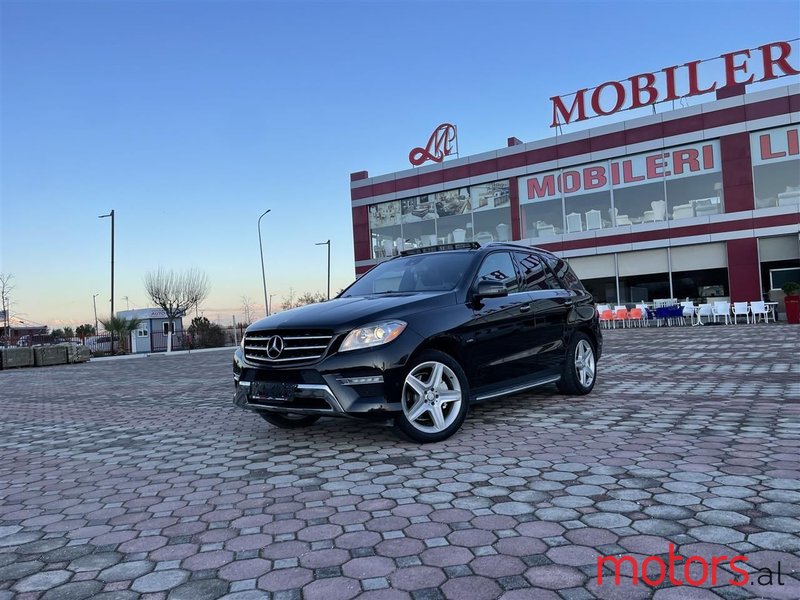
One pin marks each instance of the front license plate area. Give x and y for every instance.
(275, 392)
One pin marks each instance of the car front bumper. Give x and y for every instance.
(349, 384)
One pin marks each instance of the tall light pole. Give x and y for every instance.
(261, 251)
(328, 244)
(270, 303)
(94, 303)
(111, 214)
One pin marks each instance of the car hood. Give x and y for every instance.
(342, 314)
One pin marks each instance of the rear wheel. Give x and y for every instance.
(434, 398)
(580, 367)
(289, 421)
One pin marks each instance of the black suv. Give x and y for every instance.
(420, 337)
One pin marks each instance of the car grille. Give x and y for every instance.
(296, 347)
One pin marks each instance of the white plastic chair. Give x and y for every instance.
(722, 309)
(740, 308)
(760, 309)
(688, 309)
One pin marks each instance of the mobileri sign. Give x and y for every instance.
(766, 62)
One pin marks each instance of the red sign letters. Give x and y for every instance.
(645, 89)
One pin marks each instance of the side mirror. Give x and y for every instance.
(490, 289)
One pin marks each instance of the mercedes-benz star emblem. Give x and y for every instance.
(274, 346)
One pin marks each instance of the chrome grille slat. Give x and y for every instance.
(298, 348)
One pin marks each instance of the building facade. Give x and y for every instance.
(699, 202)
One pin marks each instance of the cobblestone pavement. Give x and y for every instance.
(138, 478)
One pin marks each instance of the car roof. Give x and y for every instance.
(473, 247)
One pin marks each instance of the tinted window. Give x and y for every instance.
(498, 267)
(564, 273)
(533, 273)
(434, 272)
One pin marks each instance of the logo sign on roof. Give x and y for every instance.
(755, 65)
(443, 142)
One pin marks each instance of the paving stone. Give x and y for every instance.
(160, 581)
(138, 492)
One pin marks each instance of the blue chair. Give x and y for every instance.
(676, 315)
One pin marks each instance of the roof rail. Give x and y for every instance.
(440, 247)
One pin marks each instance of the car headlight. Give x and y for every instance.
(375, 334)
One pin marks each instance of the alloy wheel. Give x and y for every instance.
(584, 363)
(431, 397)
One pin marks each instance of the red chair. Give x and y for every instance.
(621, 314)
(637, 315)
(607, 317)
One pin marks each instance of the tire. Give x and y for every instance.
(431, 411)
(580, 367)
(289, 421)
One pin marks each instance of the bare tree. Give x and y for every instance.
(5, 303)
(289, 301)
(248, 310)
(176, 293)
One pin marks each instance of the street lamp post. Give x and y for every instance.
(270, 303)
(111, 214)
(94, 303)
(261, 251)
(328, 244)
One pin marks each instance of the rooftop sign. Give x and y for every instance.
(766, 62)
(440, 144)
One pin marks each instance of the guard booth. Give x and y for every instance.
(151, 334)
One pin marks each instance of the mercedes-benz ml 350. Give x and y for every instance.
(422, 336)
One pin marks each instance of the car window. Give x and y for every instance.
(565, 273)
(433, 272)
(498, 267)
(534, 276)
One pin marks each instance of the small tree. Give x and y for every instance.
(69, 332)
(248, 310)
(120, 327)
(311, 298)
(206, 334)
(5, 303)
(84, 331)
(176, 293)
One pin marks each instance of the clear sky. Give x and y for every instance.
(190, 118)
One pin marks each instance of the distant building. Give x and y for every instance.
(151, 334)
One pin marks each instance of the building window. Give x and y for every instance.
(384, 224)
(776, 166)
(703, 285)
(481, 213)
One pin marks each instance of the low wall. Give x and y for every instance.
(43, 356)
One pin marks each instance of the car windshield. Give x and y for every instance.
(435, 272)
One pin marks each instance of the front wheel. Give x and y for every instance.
(289, 421)
(434, 398)
(580, 367)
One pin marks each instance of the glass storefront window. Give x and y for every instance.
(384, 224)
(637, 204)
(543, 218)
(776, 166)
(588, 212)
(491, 212)
(697, 196)
(701, 285)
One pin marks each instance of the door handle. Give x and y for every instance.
(525, 308)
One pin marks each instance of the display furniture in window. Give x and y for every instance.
(593, 220)
(574, 222)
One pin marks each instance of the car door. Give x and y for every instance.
(494, 338)
(550, 305)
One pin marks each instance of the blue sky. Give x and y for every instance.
(190, 118)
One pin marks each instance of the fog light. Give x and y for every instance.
(361, 380)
